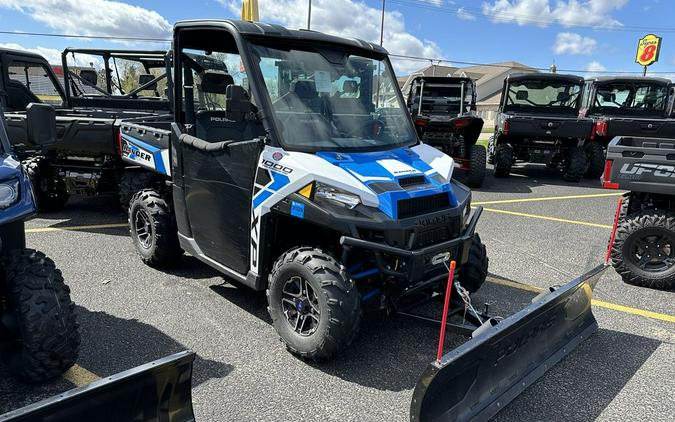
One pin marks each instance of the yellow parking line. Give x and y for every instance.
(545, 217)
(548, 198)
(80, 376)
(76, 228)
(599, 303)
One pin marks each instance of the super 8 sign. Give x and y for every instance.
(648, 50)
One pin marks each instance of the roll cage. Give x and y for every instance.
(84, 90)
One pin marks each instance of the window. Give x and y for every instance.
(211, 73)
(36, 78)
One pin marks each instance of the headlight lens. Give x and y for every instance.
(9, 192)
(347, 199)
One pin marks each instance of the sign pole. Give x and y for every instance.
(644, 71)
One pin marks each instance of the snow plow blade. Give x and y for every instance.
(156, 391)
(479, 378)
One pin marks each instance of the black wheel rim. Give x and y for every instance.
(143, 228)
(300, 306)
(653, 252)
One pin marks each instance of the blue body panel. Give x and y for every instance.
(25, 206)
(370, 168)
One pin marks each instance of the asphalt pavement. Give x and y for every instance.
(539, 230)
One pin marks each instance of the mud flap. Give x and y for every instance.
(480, 377)
(156, 391)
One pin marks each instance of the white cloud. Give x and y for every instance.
(595, 66)
(563, 12)
(53, 56)
(464, 15)
(94, 17)
(571, 43)
(349, 18)
(437, 3)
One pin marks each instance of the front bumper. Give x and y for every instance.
(423, 264)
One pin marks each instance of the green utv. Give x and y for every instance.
(297, 171)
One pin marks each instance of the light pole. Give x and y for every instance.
(309, 15)
(382, 25)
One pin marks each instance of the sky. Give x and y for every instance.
(589, 36)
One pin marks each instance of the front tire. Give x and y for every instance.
(595, 159)
(50, 190)
(473, 274)
(314, 304)
(42, 316)
(476, 173)
(644, 249)
(503, 160)
(153, 229)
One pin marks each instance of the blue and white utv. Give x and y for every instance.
(294, 167)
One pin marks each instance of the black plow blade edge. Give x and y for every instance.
(156, 391)
(477, 379)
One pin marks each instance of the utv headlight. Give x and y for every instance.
(347, 199)
(9, 192)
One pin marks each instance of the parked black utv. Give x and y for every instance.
(443, 109)
(39, 339)
(538, 123)
(624, 106)
(85, 159)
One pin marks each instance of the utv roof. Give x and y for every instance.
(610, 79)
(545, 77)
(22, 53)
(278, 32)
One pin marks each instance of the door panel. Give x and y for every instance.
(218, 190)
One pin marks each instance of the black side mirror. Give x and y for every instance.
(89, 75)
(521, 95)
(40, 124)
(144, 79)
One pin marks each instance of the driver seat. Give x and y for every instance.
(228, 124)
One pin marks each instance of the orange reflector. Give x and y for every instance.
(307, 191)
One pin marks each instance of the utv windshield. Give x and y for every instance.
(543, 96)
(329, 99)
(631, 98)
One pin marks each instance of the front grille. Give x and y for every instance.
(415, 206)
(412, 181)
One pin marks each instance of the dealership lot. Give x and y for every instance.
(539, 230)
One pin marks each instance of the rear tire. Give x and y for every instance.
(132, 183)
(153, 229)
(321, 318)
(472, 275)
(595, 159)
(40, 307)
(491, 150)
(476, 173)
(503, 160)
(575, 165)
(50, 190)
(644, 249)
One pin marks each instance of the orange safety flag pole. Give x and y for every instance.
(446, 306)
(249, 10)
